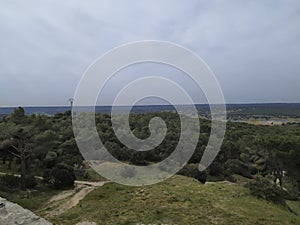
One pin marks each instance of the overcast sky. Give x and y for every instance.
(253, 47)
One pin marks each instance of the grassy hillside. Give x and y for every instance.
(179, 200)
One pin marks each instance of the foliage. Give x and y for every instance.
(47, 177)
(247, 150)
(31, 181)
(216, 169)
(192, 170)
(263, 188)
(63, 176)
(10, 181)
(128, 172)
(237, 167)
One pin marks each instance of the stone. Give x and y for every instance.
(13, 214)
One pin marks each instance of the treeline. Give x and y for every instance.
(45, 145)
(40, 145)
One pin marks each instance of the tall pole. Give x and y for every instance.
(71, 100)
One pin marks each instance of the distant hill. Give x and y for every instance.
(261, 109)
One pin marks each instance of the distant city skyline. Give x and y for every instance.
(252, 47)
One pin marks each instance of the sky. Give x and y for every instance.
(253, 47)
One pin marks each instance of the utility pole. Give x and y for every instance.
(71, 100)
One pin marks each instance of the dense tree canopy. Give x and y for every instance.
(48, 144)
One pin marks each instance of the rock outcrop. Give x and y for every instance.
(13, 214)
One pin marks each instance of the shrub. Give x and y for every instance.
(128, 172)
(63, 176)
(166, 167)
(238, 167)
(51, 159)
(137, 158)
(261, 187)
(10, 181)
(216, 169)
(47, 177)
(30, 181)
(192, 170)
(229, 176)
(81, 174)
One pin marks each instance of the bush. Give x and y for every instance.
(192, 170)
(10, 181)
(137, 158)
(261, 187)
(51, 159)
(291, 191)
(47, 177)
(238, 167)
(81, 174)
(167, 167)
(63, 176)
(216, 169)
(229, 176)
(128, 172)
(31, 181)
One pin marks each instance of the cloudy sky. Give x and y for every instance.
(253, 47)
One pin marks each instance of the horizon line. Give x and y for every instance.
(180, 104)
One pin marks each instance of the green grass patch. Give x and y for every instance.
(179, 200)
(35, 202)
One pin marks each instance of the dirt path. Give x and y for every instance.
(65, 200)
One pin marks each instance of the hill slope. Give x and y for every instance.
(179, 200)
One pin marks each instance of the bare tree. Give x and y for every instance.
(20, 149)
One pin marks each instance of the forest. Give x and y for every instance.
(267, 157)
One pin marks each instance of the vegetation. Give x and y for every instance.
(34, 200)
(264, 157)
(61, 176)
(178, 200)
(262, 188)
(40, 143)
(192, 170)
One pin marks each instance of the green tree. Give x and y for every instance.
(192, 170)
(63, 176)
(21, 148)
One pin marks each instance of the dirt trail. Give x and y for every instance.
(65, 200)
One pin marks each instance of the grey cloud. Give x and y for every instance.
(252, 46)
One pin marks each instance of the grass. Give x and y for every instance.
(92, 174)
(37, 199)
(179, 200)
(15, 169)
